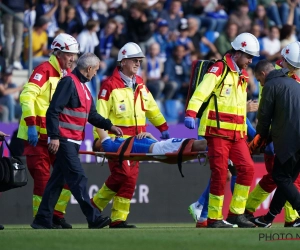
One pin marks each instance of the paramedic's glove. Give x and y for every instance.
(165, 135)
(269, 149)
(189, 122)
(256, 144)
(32, 135)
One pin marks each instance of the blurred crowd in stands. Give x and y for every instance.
(172, 33)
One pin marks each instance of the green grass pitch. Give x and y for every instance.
(149, 236)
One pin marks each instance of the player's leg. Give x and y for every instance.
(199, 209)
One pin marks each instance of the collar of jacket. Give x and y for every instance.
(277, 73)
(227, 58)
(55, 63)
(129, 82)
(279, 63)
(80, 76)
(116, 74)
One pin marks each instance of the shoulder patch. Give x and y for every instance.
(103, 93)
(216, 69)
(42, 72)
(37, 76)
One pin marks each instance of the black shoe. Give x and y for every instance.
(123, 224)
(260, 221)
(1, 227)
(240, 220)
(60, 222)
(36, 225)
(100, 222)
(220, 224)
(295, 223)
(249, 216)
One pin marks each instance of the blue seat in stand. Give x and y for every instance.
(211, 36)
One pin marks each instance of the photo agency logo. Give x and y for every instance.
(278, 236)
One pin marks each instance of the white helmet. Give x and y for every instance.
(247, 43)
(130, 50)
(291, 54)
(65, 43)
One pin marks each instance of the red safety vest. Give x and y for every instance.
(72, 121)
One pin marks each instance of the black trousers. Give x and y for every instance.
(67, 168)
(284, 176)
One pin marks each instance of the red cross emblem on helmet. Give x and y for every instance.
(124, 52)
(287, 51)
(244, 44)
(66, 46)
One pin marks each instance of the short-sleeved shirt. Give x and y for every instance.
(37, 41)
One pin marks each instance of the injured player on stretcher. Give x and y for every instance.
(144, 143)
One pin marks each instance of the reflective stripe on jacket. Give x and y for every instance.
(126, 108)
(36, 96)
(72, 121)
(231, 100)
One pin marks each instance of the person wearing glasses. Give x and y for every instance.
(125, 100)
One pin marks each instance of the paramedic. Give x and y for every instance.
(35, 99)
(228, 141)
(125, 100)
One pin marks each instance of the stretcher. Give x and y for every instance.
(169, 158)
(183, 154)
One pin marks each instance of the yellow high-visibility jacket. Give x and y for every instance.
(126, 108)
(231, 100)
(36, 96)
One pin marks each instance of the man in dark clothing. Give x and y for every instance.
(70, 109)
(279, 108)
